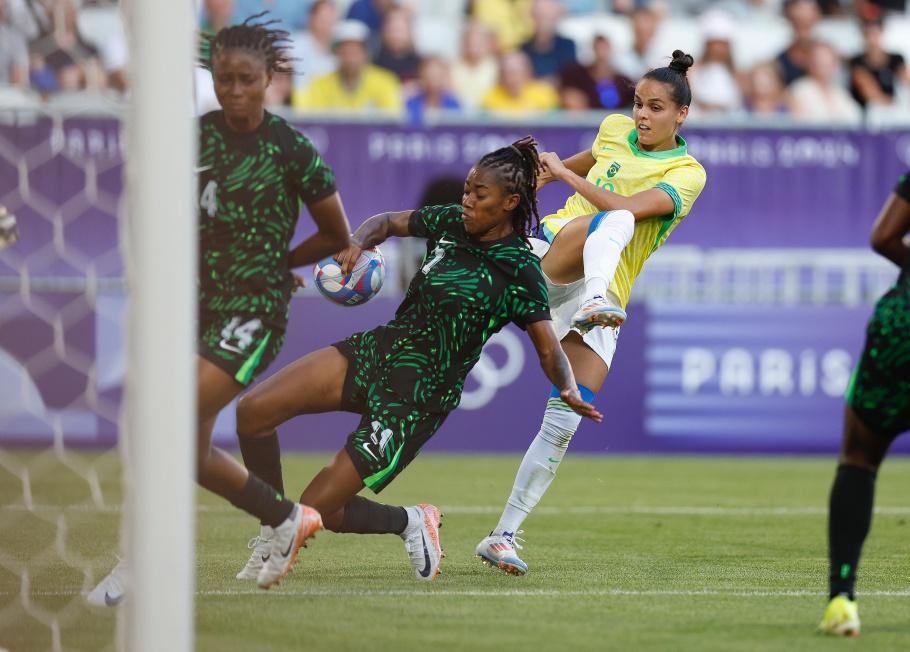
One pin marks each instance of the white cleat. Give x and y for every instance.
(500, 552)
(287, 539)
(111, 590)
(260, 547)
(597, 312)
(421, 540)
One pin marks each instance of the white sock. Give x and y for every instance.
(602, 251)
(538, 468)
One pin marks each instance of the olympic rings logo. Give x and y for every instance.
(488, 377)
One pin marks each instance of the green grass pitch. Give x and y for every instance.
(626, 553)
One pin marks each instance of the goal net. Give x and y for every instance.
(97, 257)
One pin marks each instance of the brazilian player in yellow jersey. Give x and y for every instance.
(632, 188)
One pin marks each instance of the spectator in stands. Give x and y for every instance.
(434, 92)
(803, 16)
(292, 13)
(216, 14)
(357, 84)
(510, 21)
(476, 73)
(714, 79)
(312, 49)
(13, 52)
(62, 60)
(766, 95)
(875, 73)
(597, 86)
(549, 52)
(517, 90)
(396, 46)
(370, 12)
(818, 96)
(643, 56)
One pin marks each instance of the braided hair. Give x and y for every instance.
(517, 167)
(256, 37)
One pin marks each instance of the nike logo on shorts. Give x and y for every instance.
(203, 168)
(366, 447)
(224, 345)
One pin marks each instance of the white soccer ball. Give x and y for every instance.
(359, 286)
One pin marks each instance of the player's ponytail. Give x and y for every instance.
(674, 75)
(517, 166)
(256, 37)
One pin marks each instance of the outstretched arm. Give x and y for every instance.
(556, 366)
(331, 236)
(371, 233)
(580, 164)
(653, 202)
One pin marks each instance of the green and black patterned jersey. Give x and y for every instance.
(465, 291)
(251, 186)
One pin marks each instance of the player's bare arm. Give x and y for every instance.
(891, 225)
(372, 232)
(332, 234)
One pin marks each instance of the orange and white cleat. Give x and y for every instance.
(287, 539)
(499, 551)
(597, 312)
(421, 540)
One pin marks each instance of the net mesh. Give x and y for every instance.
(61, 370)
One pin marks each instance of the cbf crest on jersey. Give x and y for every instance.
(613, 169)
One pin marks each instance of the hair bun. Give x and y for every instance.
(681, 62)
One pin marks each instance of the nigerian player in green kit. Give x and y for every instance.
(877, 411)
(405, 377)
(255, 170)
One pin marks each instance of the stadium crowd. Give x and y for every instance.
(815, 61)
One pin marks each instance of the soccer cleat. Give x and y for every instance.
(421, 540)
(111, 590)
(499, 551)
(841, 617)
(303, 523)
(597, 312)
(260, 547)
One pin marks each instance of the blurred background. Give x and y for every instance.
(743, 329)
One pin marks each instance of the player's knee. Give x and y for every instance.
(620, 223)
(559, 423)
(251, 415)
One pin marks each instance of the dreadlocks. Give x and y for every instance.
(256, 37)
(517, 167)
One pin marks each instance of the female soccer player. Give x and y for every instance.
(405, 377)
(632, 188)
(254, 170)
(877, 411)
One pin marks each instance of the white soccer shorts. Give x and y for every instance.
(565, 300)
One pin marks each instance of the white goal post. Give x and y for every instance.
(160, 255)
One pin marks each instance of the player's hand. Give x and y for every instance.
(572, 398)
(552, 168)
(299, 282)
(348, 256)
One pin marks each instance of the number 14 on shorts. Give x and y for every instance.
(378, 445)
(237, 335)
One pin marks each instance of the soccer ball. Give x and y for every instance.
(359, 287)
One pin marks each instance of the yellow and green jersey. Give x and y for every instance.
(621, 167)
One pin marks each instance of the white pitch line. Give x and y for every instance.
(513, 593)
(668, 510)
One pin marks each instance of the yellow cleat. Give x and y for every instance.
(841, 617)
